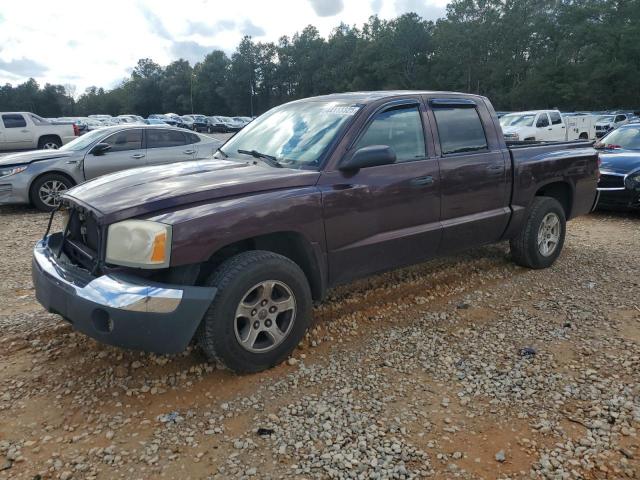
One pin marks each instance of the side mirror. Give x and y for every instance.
(100, 149)
(370, 156)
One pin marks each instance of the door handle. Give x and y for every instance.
(420, 181)
(71, 162)
(137, 155)
(189, 152)
(549, 128)
(495, 167)
(25, 131)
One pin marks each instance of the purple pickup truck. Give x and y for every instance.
(232, 251)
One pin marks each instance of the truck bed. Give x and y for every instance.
(570, 165)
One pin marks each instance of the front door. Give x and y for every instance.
(17, 135)
(126, 152)
(475, 198)
(386, 216)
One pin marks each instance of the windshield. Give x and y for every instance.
(82, 142)
(605, 118)
(295, 134)
(626, 137)
(518, 120)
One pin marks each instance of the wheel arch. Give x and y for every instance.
(49, 135)
(51, 172)
(562, 192)
(290, 244)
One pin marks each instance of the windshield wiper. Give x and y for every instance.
(271, 160)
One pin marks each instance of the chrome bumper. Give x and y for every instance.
(107, 290)
(118, 309)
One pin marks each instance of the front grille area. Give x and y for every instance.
(82, 242)
(611, 181)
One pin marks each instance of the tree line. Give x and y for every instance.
(522, 54)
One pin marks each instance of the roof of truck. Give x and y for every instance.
(364, 97)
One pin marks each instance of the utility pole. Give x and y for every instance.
(191, 91)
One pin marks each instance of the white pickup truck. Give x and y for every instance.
(541, 125)
(26, 131)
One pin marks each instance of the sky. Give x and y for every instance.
(90, 43)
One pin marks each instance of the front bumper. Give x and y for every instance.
(14, 190)
(624, 199)
(118, 309)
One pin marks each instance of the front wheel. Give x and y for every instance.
(45, 192)
(541, 239)
(260, 313)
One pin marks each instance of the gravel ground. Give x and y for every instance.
(465, 367)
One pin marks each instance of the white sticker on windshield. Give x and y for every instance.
(341, 110)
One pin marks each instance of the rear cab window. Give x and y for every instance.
(556, 119)
(543, 120)
(13, 120)
(460, 129)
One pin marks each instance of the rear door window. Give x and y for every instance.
(160, 138)
(460, 130)
(400, 129)
(556, 119)
(543, 121)
(13, 121)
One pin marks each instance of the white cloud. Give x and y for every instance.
(98, 46)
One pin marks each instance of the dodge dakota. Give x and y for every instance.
(232, 251)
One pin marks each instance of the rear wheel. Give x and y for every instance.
(260, 313)
(49, 143)
(45, 192)
(584, 136)
(540, 241)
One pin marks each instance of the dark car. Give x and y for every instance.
(200, 123)
(619, 184)
(217, 124)
(231, 252)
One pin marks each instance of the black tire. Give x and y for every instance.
(234, 278)
(49, 142)
(53, 179)
(525, 249)
(584, 136)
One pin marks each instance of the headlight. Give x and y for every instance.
(5, 172)
(139, 243)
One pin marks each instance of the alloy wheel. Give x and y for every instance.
(265, 316)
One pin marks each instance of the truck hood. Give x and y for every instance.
(141, 191)
(620, 160)
(34, 156)
(516, 129)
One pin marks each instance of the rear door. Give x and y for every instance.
(383, 217)
(558, 128)
(127, 151)
(168, 146)
(18, 135)
(544, 132)
(473, 173)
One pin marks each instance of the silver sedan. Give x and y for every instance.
(40, 177)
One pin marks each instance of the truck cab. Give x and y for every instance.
(540, 125)
(25, 131)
